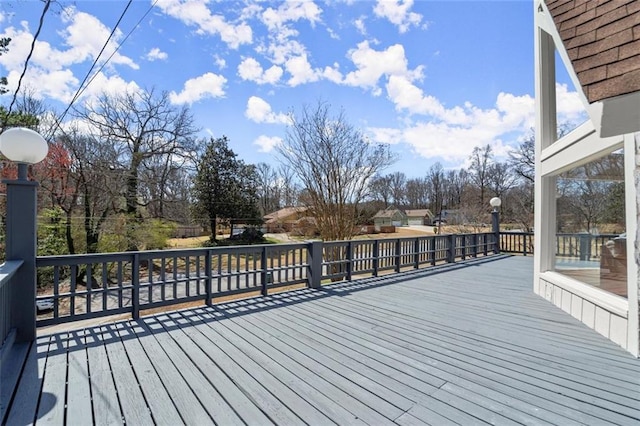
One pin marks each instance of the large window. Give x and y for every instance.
(590, 217)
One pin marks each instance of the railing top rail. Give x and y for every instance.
(8, 269)
(146, 254)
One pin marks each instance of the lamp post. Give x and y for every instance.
(24, 147)
(495, 203)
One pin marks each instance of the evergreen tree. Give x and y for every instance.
(224, 186)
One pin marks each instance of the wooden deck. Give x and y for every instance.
(465, 344)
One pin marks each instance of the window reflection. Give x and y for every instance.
(590, 218)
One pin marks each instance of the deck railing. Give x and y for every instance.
(87, 286)
(578, 246)
(7, 288)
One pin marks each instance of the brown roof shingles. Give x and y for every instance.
(602, 38)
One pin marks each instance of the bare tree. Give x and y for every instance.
(417, 193)
(398, 181)
(147, 131)
(481, 160)
(334, 163)
(143, 126)
(268, 188)
(523, 159)
(436, 186)
(380, 189)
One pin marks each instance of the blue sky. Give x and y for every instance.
(432, 78)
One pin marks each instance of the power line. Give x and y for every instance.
(82, 89)
(95, 61)
(26, 62)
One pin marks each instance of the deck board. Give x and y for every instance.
(462, 344)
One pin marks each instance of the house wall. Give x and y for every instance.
(612, 316)
(605, 313)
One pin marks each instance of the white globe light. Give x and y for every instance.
(23, 145)
(495, 202)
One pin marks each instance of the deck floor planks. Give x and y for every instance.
(519, 361)
(79, 399)
(54, 383)
(284, 387)
(25, 403)
(134, 406)
(191, 411)
(345, 395)
(467, 344)
(255, 385)
(310, 387)
(104, 397)
(234, 396)
(162, 407)
(388, 403)
(209, 397)
(416, 355)
(395, 380)
(451, 374)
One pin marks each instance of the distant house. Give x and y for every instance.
(419, 217)
(284, 220)
(390, 216)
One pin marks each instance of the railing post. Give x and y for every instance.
(21, 244)
(451, 253)
(209, 278)
(432, 250)
(524, 245)
(485, 244)
(314, 272)
(416, 250)
(463, 246)
(495, 222)
(398, 255)
(135, 282)
(264, 272)
(585, 246)
(349, 260)
(474, 242)
(376, 257)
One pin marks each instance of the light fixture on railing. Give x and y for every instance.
(495, 202)
(23, 146)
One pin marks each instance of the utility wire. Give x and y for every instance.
(26, 62)
(95, 62)
(82, 89)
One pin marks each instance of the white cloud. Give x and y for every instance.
(359, 24)
(220, 62)
(452, 133)
(249, 69)
(86, 35)
(197, 13)
(274, 19)
(111, 85)
(301, 71)
(259, 110)
(398, 13)
(266, 143)
(208, 85)
(156, 54)
(49, 70)
(372, 65)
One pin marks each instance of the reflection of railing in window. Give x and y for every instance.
(574, 246)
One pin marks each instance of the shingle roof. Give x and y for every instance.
(602, 39)
(419, 213)
(388, 213)
(284, 213)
